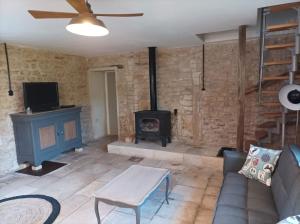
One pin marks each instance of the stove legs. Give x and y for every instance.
(164, 140)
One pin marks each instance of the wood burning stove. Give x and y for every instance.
(153, 124)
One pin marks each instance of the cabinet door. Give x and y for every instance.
(70, 132)
(46, 139)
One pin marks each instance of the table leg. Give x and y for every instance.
(97, 211)
(137, 214)
(167, 189)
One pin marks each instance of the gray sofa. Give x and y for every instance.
(245, 201)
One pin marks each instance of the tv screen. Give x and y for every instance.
(41, 96)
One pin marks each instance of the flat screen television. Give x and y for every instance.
(41, 96)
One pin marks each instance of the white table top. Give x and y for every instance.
(133, 186)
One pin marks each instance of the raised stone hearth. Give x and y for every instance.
(175, 152)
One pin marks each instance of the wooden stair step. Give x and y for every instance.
(270, 104)
(279, 46)
(283, 7)
(270, 92)
(280, 27)
(277, 114)
(261, 134)
(268, 80)
(277, 77)
(268, 124)
(283, 62)
(271, 114)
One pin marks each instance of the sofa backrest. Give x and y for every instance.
(286, 184)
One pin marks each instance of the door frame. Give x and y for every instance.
(106, 70)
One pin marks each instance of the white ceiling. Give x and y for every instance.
(166, 23)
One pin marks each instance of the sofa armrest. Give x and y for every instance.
(233, 161)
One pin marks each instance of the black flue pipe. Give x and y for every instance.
(152, 78)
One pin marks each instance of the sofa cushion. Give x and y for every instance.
(227, 214)
(243, 200)
(260, 198)
(260, 164)
(286, 185)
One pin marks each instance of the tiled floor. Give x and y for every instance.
(192, 199)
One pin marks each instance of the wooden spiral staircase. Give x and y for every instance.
(279, 50)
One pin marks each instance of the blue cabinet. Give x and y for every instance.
(43, 136)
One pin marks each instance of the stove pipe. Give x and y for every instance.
(152, 78)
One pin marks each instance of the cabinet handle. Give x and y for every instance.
(60, 133)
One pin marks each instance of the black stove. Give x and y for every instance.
(153, 124)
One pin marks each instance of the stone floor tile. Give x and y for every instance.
(123, 218)
(86, 213)
(216, 182)
(75, 165)
(14, 183)
(43, 181)
(178, 210)
(67, 186)
(191, 180)
(148, 210)
(90, 189)
(21, 190)
(212, 190)
(70, 205)
(160, 220)
(95, 169)
(110, 175)
(151, 162)
(185, 193)
(204, 216)
(172, 165)
(73, 186)
(209, 202)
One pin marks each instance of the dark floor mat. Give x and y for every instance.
(48, 166)
(135, 159)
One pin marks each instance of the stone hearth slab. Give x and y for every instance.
(174, 152)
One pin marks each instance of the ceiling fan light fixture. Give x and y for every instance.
(87, 25)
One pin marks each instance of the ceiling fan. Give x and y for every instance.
(85, 21)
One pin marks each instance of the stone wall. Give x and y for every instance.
(205, 118)
(38, 65)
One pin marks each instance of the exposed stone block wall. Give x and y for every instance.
(31, 65)
(205, 118)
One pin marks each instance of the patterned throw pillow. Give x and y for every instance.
(260, 164)
(291, 220)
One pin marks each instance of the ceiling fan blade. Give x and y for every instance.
(48, 15)
(79, 5)
(119, 15)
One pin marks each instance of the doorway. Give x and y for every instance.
(103, 99)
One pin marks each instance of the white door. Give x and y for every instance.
(111, 99)
(103, 98)
(98, 103)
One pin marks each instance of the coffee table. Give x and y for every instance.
(132, 188)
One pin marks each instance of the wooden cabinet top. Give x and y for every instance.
(58, 112)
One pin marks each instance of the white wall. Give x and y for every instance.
(98, 103)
